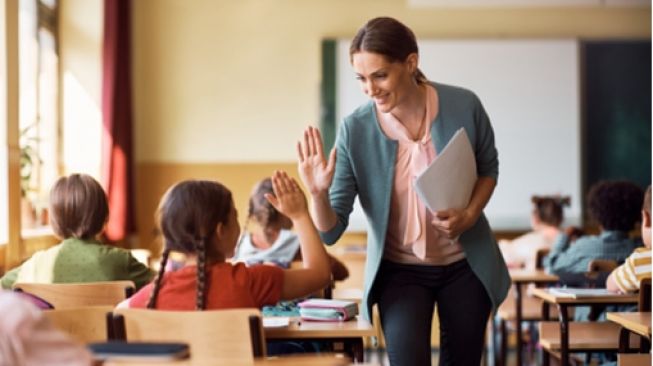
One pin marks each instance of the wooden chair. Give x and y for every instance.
(85, 324)
(540, 254)
(226, 336)
(507, 312)
(643, 305)
(69, 295)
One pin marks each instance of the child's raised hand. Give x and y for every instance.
(288, 198)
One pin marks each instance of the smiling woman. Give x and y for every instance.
(415, 258)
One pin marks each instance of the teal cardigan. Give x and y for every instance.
(365, 166)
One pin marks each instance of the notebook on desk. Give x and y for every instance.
(328, 310)
(579, 293)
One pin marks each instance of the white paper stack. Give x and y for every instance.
(449, 180)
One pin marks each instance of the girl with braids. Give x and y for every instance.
(267, 237)
(546, 218)
(198, 219)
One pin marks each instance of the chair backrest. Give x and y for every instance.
(601, 265)
(539, 257)
(69, 295)
(229, 336)
(85, 324)
(598, 271)
(644, 295)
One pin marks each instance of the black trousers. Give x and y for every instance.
(406, 296)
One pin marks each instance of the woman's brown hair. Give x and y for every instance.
(387, 37)
(188, 216)
(78, 207)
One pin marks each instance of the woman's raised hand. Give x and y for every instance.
(288, 197)
(315, 171)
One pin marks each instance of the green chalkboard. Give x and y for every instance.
(616, 97)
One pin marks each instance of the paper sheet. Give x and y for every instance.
(449, 180)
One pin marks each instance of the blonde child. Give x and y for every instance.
(198, 218)
(78, 214)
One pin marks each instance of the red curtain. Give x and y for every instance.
(117, 118)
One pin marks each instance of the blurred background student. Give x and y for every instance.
(627, 277)
(616, 207)
(78, 215)
(546, 217)
(268, 237)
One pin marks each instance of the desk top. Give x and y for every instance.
(637, 322)
(532, 276)
(354, 328)
(634, 359)
(351, 294)
(547, 296)
(290, 360)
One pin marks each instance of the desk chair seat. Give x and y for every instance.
(85, 324)
(583, 336)
(70, 295)
(226, 336)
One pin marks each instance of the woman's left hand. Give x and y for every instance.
(452, 222)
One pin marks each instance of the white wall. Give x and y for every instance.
(530, 90)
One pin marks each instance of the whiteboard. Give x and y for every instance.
(530, 89)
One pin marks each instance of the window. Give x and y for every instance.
(38, 109)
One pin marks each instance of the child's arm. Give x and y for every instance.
(289, 199)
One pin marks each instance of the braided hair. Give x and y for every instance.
(188, 215)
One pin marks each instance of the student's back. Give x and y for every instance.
(615, 205)
(78, 213)
(198, 218)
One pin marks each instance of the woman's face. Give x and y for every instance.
(387, 83)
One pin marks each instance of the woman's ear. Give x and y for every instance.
(411, 61)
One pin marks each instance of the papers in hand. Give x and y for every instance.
(577, 293)
(449, 180)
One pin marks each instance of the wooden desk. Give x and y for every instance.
(350, 333)
(563, 303)
(350, 294)
(636, 322)
(521, 277)
(635, 359)
(290, 360)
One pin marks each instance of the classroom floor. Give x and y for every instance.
(379, 356)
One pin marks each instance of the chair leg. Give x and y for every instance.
(503, 351)
(119, 332)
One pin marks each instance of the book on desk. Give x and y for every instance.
(579, 293)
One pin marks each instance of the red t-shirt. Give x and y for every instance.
(228, 286)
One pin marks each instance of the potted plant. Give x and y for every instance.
(29, 160)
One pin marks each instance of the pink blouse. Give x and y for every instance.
(411, 238)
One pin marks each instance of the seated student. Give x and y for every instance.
(546, 217)
(78, 214)
(615, 205)
(271, 240)
(27, 338)
(198, 218)
(626, 278)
